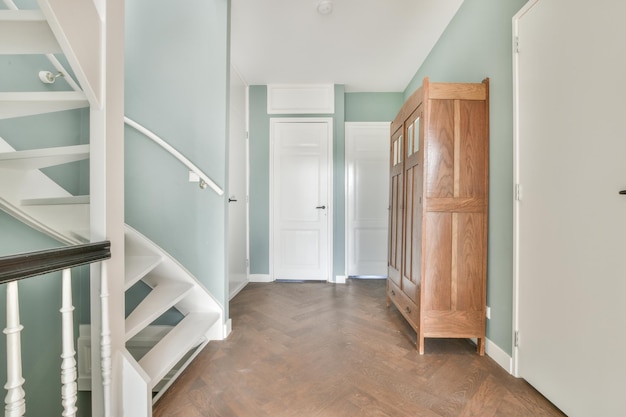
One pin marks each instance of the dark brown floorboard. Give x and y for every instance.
(324, 350)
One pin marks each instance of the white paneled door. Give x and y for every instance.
(301, 189)
(367, 193)
(570, 213)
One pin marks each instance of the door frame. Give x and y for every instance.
(246, 189)
(386, 125)
(330, 182)
(514, 370)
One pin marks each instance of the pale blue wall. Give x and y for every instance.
(177, 86)
(373, 107)
(478, 44)
(359, 107)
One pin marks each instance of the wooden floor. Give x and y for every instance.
(324, 350)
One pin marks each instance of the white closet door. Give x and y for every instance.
(301, 176)
(367, 184)
(570, 218)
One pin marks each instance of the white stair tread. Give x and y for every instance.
(137, 266)
(56, 201)
(42, 158)
(26, 32)
(158, 301)
(29, 103)
(165, 354)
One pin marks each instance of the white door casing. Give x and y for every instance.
(237, 186)
(367, 195)
(301, 198)
(570, 221)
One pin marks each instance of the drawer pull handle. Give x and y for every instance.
(393, 292)
(408, 310)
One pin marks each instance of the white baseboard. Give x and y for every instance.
(228, 327)
(260, 278)
(338, 279)
(499, 356)
(236, 290)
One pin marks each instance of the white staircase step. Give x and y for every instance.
(137, 266)
(56, 201)
(29, 103)
(157, 302)
(26, 32)
(186, 335)
(43, 158)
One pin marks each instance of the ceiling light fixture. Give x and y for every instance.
(325, 7)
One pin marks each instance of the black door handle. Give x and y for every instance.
(623, 192)
(231, 200)
(321, 207)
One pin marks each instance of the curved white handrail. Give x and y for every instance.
(204, 178)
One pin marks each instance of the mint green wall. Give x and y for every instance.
(477, 44)
(373, 107)
(177, 86)
(362, 107)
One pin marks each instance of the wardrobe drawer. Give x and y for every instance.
(404, 304)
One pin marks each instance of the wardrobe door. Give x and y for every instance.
(413, 186)
(456, 220)
(396, 206)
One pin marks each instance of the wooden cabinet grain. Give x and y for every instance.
(439, 187)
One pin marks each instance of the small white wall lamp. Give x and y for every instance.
(47, 77)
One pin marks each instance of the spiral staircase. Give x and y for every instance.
(32, 197)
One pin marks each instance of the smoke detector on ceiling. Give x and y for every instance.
(325, 7)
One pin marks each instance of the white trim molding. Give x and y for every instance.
(300, 99)
(499, 356)
(260, 278)
(338, 279)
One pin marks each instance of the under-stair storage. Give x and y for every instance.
(437, 263)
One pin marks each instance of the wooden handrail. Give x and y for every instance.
(30, 264)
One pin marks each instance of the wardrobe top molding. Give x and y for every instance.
(440, 91)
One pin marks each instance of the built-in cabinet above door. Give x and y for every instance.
(439, 186)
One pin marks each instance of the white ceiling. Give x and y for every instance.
(367, 45)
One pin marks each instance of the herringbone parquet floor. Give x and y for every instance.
(324, 350)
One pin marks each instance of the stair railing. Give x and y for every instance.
(204, 178)
(26, 265)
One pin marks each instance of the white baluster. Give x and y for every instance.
(69, 388)
(14, 400)
(105, 341)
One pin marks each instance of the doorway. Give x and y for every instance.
(367, 199)
(300, 198)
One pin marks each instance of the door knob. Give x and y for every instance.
(321, 207)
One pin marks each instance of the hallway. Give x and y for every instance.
(325, 350)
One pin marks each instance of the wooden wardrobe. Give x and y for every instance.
(439, 186)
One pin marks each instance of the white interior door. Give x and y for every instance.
(367, 193)
(301, 175)
(237, 186)
(570, 217)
